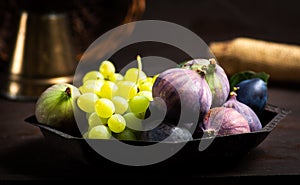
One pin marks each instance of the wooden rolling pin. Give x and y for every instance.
(281, 61)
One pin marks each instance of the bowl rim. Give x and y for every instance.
(280, 114)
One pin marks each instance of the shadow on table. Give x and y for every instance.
(36, 160)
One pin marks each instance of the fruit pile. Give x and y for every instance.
(114, 103)
(117, 105)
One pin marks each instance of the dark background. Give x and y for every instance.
(214, 20)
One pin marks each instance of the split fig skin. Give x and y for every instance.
(222, 121)
(245, 110)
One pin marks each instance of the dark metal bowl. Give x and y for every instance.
(223, 151)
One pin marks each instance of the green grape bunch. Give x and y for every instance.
(115, 104)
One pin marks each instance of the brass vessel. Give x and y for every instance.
(50, 37)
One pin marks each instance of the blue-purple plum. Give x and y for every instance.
(254, 93)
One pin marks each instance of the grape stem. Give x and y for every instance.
(139, 61)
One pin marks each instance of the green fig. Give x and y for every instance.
(55, 107)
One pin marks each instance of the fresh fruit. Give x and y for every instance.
(215, 77)
(139, 104)
(94, 120)
(99, 132)
(121, 104)
(133, 122)
(167, 133)
(253, 92)
(127, 134)
(126, 89)
(116, 77)
(245, 75)
(86, 102)
(55, 105)
(183, 90)
(246, 111)
(107, 69)
(108, 90)
(92, 75)
(112, 100)
(116, 123)
(104, 108)
(91, 86)
(132, 74)
(221, 121)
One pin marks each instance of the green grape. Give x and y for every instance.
(132, 74)
(99, 132)
(92, 86)
(108, 90)
(146, 86)
(132, 122)
(148, 94)
(81, 89)
(87, 115)
(127, 134)
(92, 75)
(107, 69)
(121, 104)
(116, 77)
(94, 120)
(104, 120)
(86, 102)
(116, 123)
(148, 79)
(140, 115)
(139, 104)
(126, 89)
(104, 107)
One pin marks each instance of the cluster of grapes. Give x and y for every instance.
(115, 104)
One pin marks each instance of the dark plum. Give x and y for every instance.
(253, 92)
(168, 133)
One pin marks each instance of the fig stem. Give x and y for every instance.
(202, 71)
(212, 61)
(211, 66)
(233, 93)
(68, 91)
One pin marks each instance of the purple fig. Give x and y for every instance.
(245, 110)
(194, 64)
(215, 76)
(184, 91)
(220, 121)
(167, 132)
